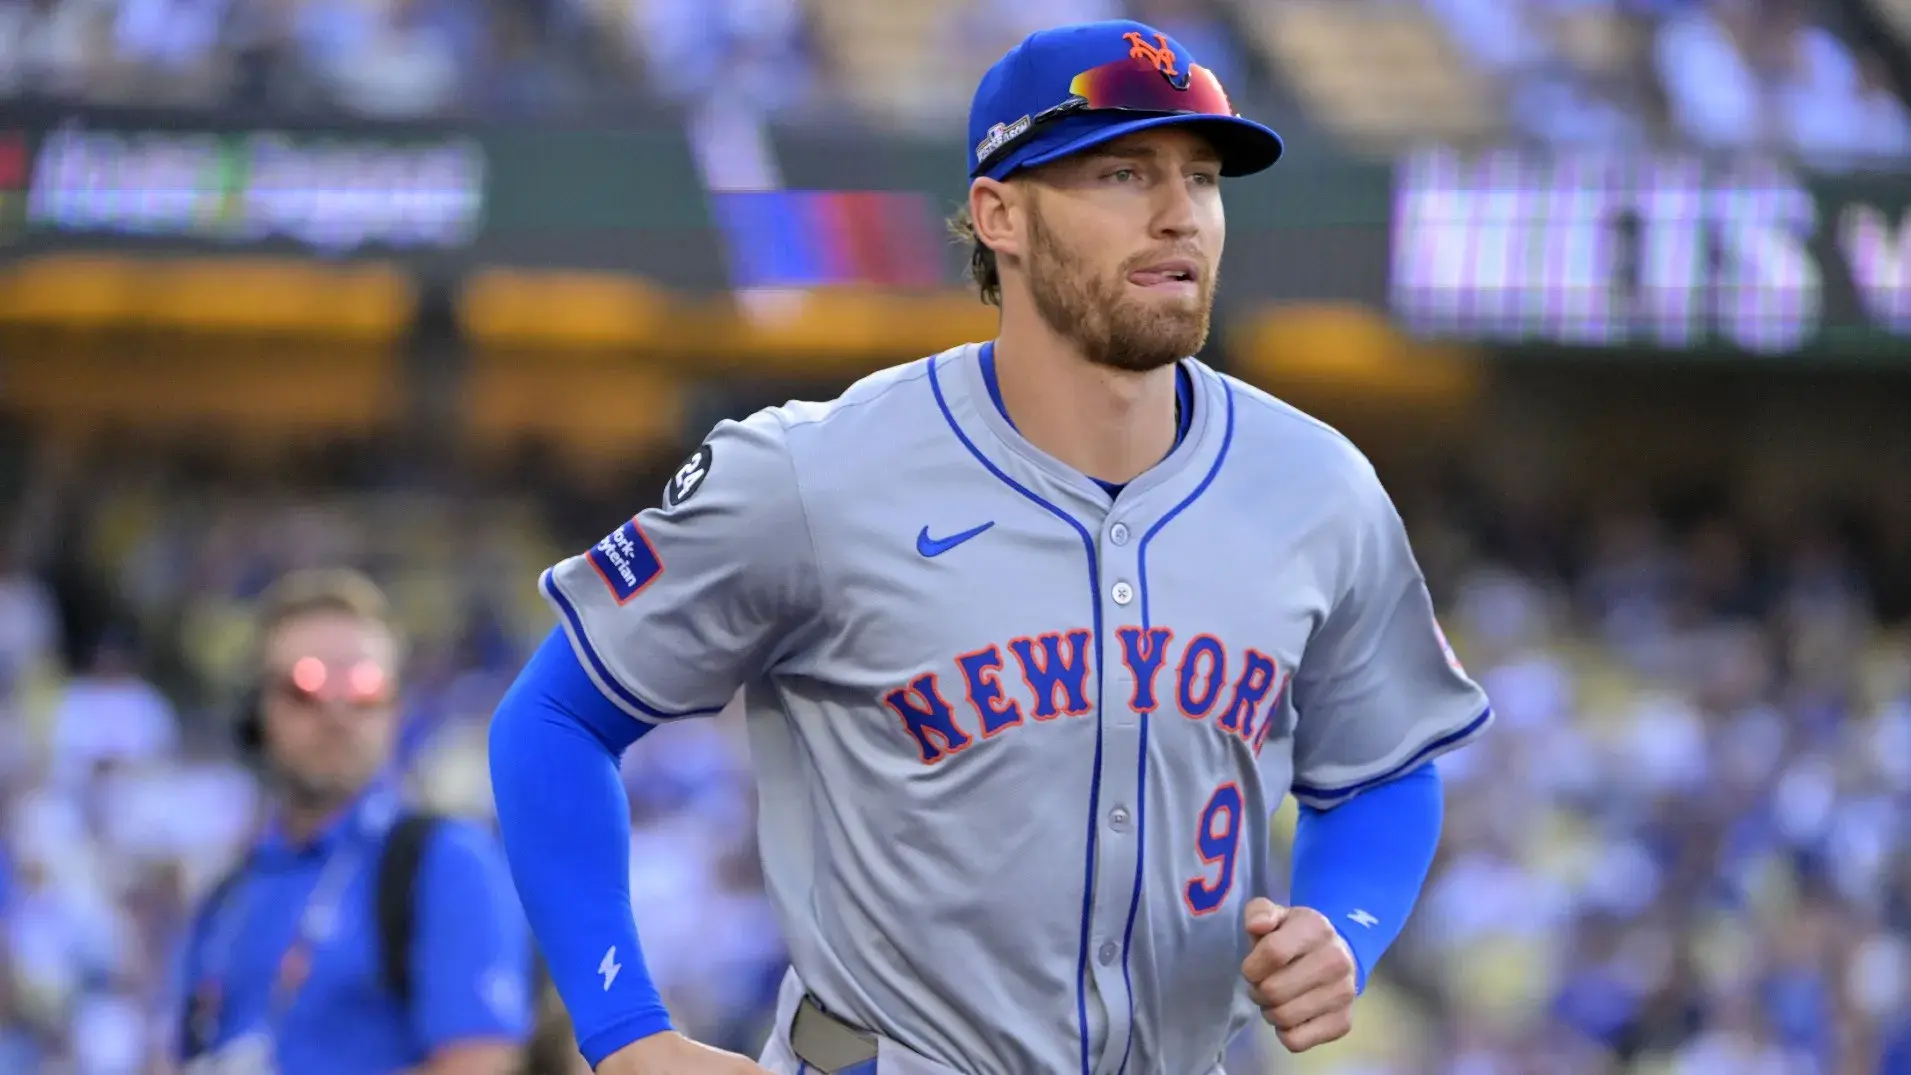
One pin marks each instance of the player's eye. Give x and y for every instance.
(1205, 179)
(1124, 175)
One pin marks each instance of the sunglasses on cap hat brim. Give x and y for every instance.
(1123, 97)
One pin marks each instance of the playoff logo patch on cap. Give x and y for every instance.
(1000, 135)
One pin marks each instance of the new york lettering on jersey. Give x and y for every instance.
(1046, 752)
(1054, 679)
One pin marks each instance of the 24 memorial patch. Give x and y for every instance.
(689, 477)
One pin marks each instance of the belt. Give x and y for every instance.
(825, 1042)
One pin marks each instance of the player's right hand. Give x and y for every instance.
(1300, 973)
(670, 1053)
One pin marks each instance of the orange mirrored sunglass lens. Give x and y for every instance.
(1139, 87)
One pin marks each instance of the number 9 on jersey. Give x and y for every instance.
(1217, 839)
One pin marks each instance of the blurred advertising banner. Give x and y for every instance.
(830, 208)
(1664, 251)
(438, 199)
(332, 193)
(651, 234)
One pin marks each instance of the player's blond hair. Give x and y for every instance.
(983, 274)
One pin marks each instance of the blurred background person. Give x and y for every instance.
(351, 936)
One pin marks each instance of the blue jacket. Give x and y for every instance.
(286, 959)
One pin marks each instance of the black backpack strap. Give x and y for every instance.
(397, 898)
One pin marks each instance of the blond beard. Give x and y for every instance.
(1093, 313)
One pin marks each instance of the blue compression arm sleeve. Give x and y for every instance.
(1362, 863)
(555, 745)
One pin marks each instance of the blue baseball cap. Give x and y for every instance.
(1068, 89)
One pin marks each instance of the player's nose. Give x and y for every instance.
(1176, 214)
(1175, 217)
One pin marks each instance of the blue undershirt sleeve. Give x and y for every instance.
(556, 743)
(1362, 863)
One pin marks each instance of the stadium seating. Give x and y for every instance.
(1376, 73)
(892, 60)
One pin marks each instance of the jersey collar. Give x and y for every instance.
(967, 367)
(1183, 395)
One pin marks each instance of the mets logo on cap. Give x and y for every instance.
(1160, 54)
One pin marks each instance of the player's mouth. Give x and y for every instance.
(1173, 276)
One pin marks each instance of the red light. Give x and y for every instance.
(308, 674)
(368, 680)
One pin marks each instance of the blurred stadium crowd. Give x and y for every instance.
(1730, 74)
(1683, 852)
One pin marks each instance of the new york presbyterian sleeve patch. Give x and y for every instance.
(626, 561)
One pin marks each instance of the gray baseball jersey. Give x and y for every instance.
(1017, 743)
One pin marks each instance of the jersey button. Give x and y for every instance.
(1122, 593)
(1108, 953)
(1118, 533)
(1118, 817)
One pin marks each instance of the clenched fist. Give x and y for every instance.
(1300, 974)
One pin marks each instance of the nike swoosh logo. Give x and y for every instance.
(929, 546)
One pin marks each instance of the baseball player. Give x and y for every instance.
(1034, 636)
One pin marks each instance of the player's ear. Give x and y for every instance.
(992, 213)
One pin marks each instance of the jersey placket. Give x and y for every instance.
(1120, 811)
